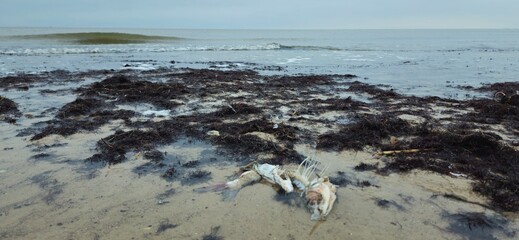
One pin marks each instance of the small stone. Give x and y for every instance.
(213, 133)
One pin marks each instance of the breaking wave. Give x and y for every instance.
(137, 48)
(183, 47)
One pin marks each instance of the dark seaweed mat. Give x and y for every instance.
(114, 147)
(480, 155)
(458, 149)
(124, 89)
(80, 106)
(24, 81)
(282, 131)
(294, 81)
(196, 177)
(17, 81)
(492, 112)
(368, 130)
(69, 125)
(234, 137)
(461, 146)
(7, 105)
(237, 109)
(375, 92)
(251, 144)
(475, 225)
(506, 87)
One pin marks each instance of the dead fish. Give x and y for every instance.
(318, 191)
(320, 196)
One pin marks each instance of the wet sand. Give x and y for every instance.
(114, 155)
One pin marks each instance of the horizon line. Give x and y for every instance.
(267, 29)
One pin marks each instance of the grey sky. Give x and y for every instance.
(261, 14)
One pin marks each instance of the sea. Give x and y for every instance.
(414, 62)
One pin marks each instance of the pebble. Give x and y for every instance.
(213, 133)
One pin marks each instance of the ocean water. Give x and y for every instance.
(415, 62)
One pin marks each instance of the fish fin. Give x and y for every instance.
(229, 194)
(213, 188)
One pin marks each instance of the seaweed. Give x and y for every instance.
(341, 179)
(213, 235)
(364, 184)
(214, 75)
(7, 105)
(165, 225)
(154, 155)
(80, 106)
(114, 147)
(69, 125)
(41, 155)
(376, 92)
(366, 167)
(237, 109)
(191, 164)
(346, 104)
(386, 204)
(196, 177)
(476, 225)
(506, 87)
(280, 131)
(170, 173)
(125, 90)
(477, 154)
(298, 81)
(247, 131)
(247, 144)
(22, 80)
(489, 111)
(368, 130)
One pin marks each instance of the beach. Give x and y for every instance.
(123, 154)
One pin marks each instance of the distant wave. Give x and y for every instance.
(165, 47)
(93, 38)
(311, 48)
(157, 48)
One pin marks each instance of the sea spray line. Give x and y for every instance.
(140, 48)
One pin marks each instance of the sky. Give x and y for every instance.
(261, 14)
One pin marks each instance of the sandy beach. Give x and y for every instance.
(122, 154)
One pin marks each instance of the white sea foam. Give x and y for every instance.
(134, 49)
(162, 113)
(294, 60)
(142, 67)
(359, 59)
(140, 48)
